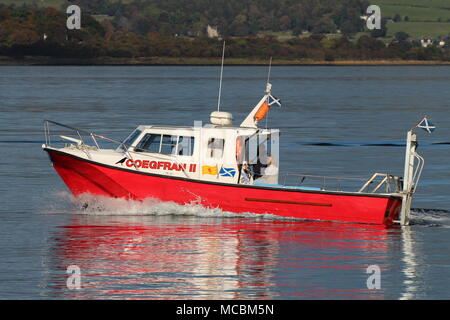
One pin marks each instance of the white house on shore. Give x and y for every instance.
(212, 32)
(426, 42)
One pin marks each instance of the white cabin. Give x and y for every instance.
(211, 152)
(217, 151)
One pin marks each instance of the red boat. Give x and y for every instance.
(218, 165)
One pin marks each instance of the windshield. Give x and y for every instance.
(131, 138)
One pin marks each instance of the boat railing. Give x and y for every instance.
(391, 183)
(378, 183)
(58, 133)
(71, 137)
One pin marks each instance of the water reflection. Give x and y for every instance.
(410, 268)
(133, 257)
(151, 257)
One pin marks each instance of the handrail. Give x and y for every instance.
(387, 179)
(418, 171)
(330, 177)
(324, 181)
(84, 132)
(79, 133)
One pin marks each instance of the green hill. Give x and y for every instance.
(418, 18)
(232, 17)
(139, 32)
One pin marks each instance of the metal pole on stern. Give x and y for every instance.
(411, 145)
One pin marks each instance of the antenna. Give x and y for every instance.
(268, 87)
(270, 67)
(221, 75)
(268, 76)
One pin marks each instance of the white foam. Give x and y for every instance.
(87, 204)
(430, 217)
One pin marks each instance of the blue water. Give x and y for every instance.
(340, 121)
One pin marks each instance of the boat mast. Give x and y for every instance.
(221, 75)
(268, 74)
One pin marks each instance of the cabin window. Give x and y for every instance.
(149, 143)
(168, 144)
(215, 148)
(264, 147)
(185, 146)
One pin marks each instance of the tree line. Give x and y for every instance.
(231, 17)
(43, 32)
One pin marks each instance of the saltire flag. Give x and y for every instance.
(273, 100)
(212, 170)
(426, 125)
(227, 172)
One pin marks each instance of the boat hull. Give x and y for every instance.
(84, 176)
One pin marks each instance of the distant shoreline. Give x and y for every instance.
(168, 61)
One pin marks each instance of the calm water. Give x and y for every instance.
(345, 121)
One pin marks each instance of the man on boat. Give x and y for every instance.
(269, 172)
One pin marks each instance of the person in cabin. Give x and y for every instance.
(269, 172)
(215, 147)
(261, 163)
(246, 174)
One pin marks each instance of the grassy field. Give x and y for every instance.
(416, 13)
(426, 3)
(426, 17)
(420, 29)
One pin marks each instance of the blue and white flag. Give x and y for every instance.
(426, 125)
(273, 100)
(227, 172)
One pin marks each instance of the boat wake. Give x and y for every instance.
(430, 217)
(98, 205)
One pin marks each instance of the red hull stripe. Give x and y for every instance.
(290, 202)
